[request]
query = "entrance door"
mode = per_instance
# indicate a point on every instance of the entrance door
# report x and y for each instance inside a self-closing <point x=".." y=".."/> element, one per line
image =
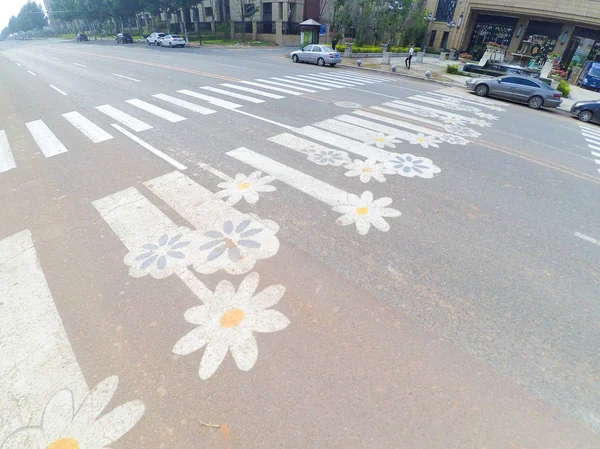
<point x="569" y="52"/>
<point x="445" y="40"/>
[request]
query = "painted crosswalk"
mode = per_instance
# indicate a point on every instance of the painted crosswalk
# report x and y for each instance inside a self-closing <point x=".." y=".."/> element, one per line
<point x="87" y="127"/>
<point x="592" y="138"/>
<point x="45" y="139"/>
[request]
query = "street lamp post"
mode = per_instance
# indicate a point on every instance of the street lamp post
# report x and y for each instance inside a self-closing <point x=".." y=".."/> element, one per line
<point x="450" y="25"/>
<point x="429" y="18"/>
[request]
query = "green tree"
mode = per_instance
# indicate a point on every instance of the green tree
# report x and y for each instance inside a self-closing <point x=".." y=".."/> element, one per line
<point x="31" y="17"/>
<point x="5" y="33"/>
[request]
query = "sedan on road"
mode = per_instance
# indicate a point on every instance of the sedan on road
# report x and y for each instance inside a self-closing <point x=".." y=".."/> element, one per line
<point x="154" y="38"/>
<point x="522" y="89"/>
<point x="317" y="54"/>
<point x="587" y="111"/>
<point x="171" y="40"/>
<point x="124" y="38"/>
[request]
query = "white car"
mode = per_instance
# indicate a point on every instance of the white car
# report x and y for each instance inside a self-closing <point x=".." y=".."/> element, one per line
<point x="171" y="40"/>
<point x="154" y="38"/>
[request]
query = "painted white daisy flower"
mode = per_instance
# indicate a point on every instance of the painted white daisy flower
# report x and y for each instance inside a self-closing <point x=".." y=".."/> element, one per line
<point x="455" y="120"/>
<point x="453" y="139"/>
<point x="461" y="130"/>
<point x="227" y="322"/>
<point x="235" y="244"/>
<point x="380" y="140"/>
<point x="64" y="426"/>
<point x="461" y="107"/>
<point x="367" y="170"/>
<point x="423" y="140"/>
<point x="425" y="113"/>
<point x="247" y="187"/>
<point x="163" y="254"/>
<point x="365" y="211"/>
<point x="410" y="165"/>
<point x="329" y="157"/>
<point x="487" y="116"/>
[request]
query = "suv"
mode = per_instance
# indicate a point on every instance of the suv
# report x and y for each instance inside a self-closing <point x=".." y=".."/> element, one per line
<point x="154" y="38"/>
<point x="81" y="37"/>
<point x="124" y="38"/>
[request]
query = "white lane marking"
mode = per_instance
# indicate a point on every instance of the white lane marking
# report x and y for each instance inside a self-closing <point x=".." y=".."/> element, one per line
<point x="159" y="112"/>
<point x="7" y="161"/>
<point x="470" y="97"/>
<point x="87" y="127"/>
<point x="299" y="83"/>
<point x="55" y="58"/>
<point x="593" y="147"/>
<point x="297" y="143"/>
<point x="37" y="358"/>
<point x="399" y="123"/>
<point x="375" y="93"/>
<point x="286" y="85"/>
<point x="253" y="91"/>
<point x="587" y="238"/>
<point x="233" y="94"/>
<point x="462" y="100"/>
<point x="125" y="119"/>
<point x="79" y="65"/>
<point x="229" y="65"/>
<point x="212" y="100"/>
<point x="313" y="187"/>
<point x="276" y="89"/>
<point x="214" y="171"/>
<point x="407" y="116"/>
<point x="147" y="146"/>
<point x="339" y="81"/>
<point x="597" y="161"/>
<point x="326" y="82"/>
<point x="31" y="72"/>
<point x="126" y="77"/>
<point x="364" y="125"/>
<point x="272" y="122"/>
<point x="47" y="142"/>
<point x="594" y="137"/>
<point x="62" y="92"/>
<point x="184" y="104"/>
<point x="314" y="83"/>
<point x="595" y="154"/>
<point x="18" y="64"/>
<point x="357" y="76"/>
<point x="344" y="143"/>
<point x="589" y="129"/>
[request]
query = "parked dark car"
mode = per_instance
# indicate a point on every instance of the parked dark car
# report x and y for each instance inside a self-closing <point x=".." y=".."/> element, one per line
<point x="124" y="38"/>
<point x="81" y="37"/>
<point x="591" y="80"/>
<point x="587" y="111"/>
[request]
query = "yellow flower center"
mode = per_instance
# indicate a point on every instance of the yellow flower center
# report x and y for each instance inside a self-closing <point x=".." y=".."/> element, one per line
<point x="367" y="169"/>
<point x="362" y="210"/>
<point x="243" y="186"/>
<point x="64" y="443"/>
<point x="232" y="318"/>
<point x="421" y="139"/>
<point x="379" y="139"/>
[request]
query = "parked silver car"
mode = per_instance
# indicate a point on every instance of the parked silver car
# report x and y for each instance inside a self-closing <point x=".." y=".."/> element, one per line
<point x="317" y="54"/>
<point x="522" y="89"/>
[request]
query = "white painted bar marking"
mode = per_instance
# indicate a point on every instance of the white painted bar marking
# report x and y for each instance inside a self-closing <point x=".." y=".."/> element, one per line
<point x="31" y="72"/>
<point x="7" y="161"/>
<point x="87" y="127"/>
<point x="79" y="65"/>
<point x="58" y="90"/>
<point x="212" y="100"/>
<point x="315" y="83"/>
<point x="233" y="94"/>
<point x="253" y="91"/>
<point x="125" y="119"/>
<point x="126" y="77"/>
<point x="185" y="104"/>
<point x="285" y="85"/>
<point x="276" y="89"/>
<point x="159" y="112"/>
<point x="587" y="238"/>
<point x="47" y="142"/>
<point x="299" y="83"/>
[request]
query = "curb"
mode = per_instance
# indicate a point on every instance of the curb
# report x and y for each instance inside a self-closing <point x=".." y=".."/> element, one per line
<point x="415" y="78"/>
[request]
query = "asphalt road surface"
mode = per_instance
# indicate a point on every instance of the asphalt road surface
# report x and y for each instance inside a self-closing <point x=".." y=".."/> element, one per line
<point x="219" y="248"/>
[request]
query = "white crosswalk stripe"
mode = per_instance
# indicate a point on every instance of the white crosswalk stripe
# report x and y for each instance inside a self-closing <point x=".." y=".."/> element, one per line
<point x="286" y="85"/>
<point x="324" y="82"/>
<point x="45" y="139"/>
<point x="398" y="123"/>
<point x="345" y="82"/>
<point x="316" y="82"/>
<point x="296" y="143"/>
<point x="299" y="83"/>
<point x="253" y="91"/>
<point x="125" y="119"/>
<point x="87" y="127"/>
<point x="276" y="89"/>
<point x="592" y="137"/>
<point x="7" y="161"/>
<point x="159" y="112"/>
<point x="233" y="94"/>
<point x="184" y="104"/>
<point x="347" y="78"/>
<point x="343" y="143"/>
<point x="212" y="100"/>
<point x="307" y="184"/>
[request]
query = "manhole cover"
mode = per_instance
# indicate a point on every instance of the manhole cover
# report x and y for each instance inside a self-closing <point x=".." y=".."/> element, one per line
<point x="347" y="104"/>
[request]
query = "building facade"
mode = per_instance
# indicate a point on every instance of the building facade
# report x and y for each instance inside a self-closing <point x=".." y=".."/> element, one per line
<point x="530" y="29"/>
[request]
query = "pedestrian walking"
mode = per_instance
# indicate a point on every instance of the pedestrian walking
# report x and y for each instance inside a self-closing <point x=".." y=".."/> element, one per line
<point x="410" y="55"/>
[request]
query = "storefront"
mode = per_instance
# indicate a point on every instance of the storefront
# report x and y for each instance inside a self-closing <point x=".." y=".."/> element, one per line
<point x="488" y="28"/>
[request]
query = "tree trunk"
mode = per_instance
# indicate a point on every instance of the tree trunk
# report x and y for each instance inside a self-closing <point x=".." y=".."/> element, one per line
<point x="182" y="15"/>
